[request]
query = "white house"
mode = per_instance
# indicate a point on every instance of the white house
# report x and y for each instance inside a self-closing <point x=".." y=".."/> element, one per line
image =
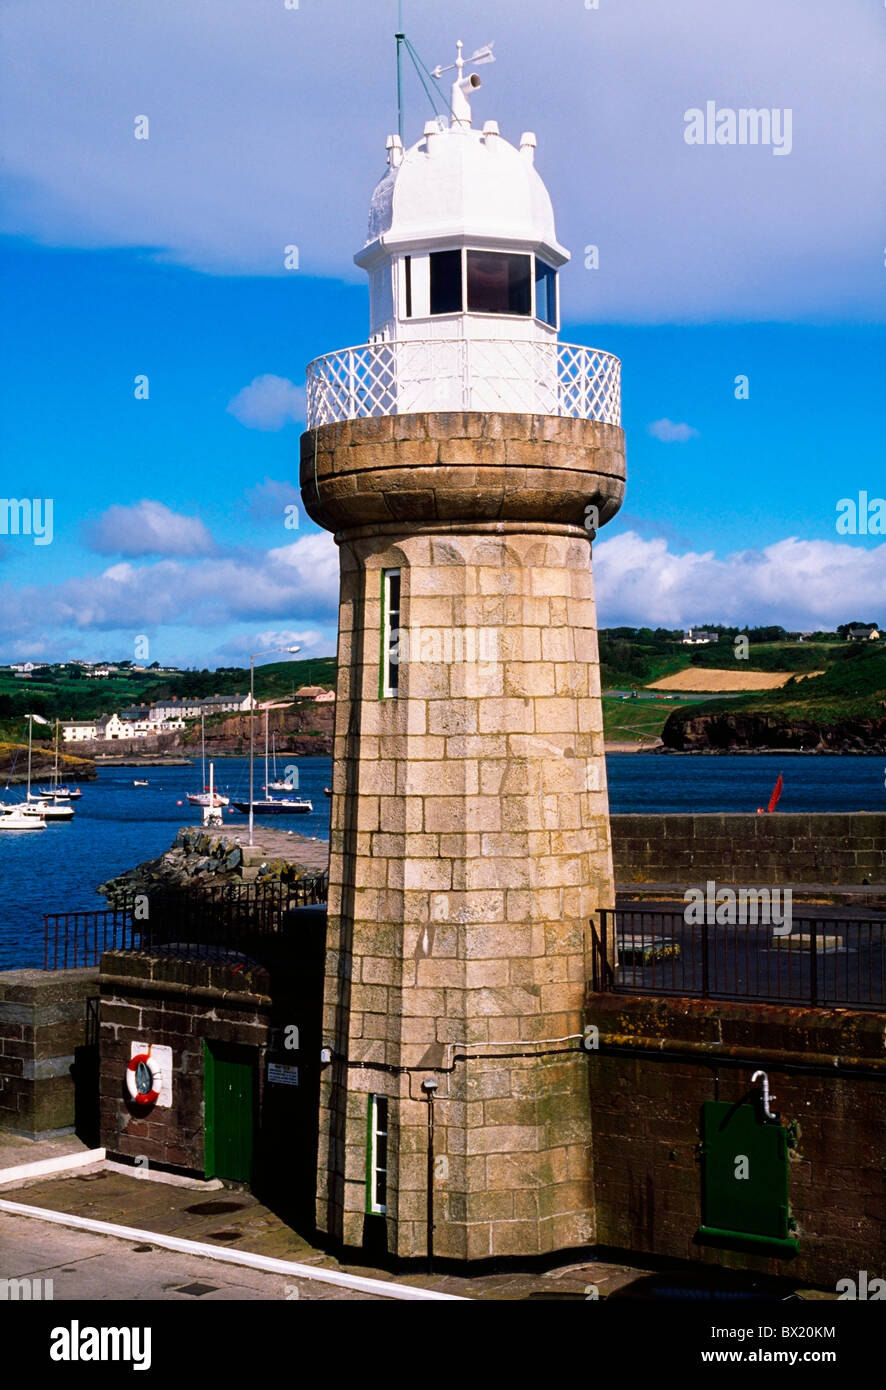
<point x="79" y="731"/>
<point x="697" y="637"/>
<point x="163" y="711"/>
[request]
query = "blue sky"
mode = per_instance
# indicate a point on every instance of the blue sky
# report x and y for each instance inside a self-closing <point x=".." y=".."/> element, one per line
<point x="164" y="258"/>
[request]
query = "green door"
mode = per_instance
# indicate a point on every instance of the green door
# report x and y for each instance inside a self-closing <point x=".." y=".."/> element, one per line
<point x="745" y="1169"/>
<point x="229" y="1095"/>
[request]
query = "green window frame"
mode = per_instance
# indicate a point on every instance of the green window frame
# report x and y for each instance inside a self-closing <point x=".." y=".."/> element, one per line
<point x="377" y="1155"/>
<point x="389" y="663"/>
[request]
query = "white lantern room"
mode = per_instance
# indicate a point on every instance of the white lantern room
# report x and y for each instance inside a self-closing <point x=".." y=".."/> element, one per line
<point x="461" y="239"/>
<point x="463" y="263"/>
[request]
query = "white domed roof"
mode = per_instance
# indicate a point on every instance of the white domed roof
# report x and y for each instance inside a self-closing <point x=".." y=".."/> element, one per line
<point x="460" y="184"/>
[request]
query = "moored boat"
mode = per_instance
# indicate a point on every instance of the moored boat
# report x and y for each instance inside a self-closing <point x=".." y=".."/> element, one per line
<point x="48" y="810"/>
<point x="276" y="806"/>
<point x="19" y="820"/>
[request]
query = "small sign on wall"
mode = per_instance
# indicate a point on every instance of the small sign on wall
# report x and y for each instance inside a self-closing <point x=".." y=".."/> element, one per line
<point x="162" y="1057"/>
<point x="279" y="1075"/>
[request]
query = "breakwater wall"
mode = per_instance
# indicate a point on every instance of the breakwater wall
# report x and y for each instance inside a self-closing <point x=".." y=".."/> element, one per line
<point x="840" y="849"/>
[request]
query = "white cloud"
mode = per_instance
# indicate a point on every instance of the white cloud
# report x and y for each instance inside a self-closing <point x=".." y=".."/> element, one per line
<point x="670" y="433"/>
<point x="800" y="584"/>
<point x="267" y="128"/>
<point x="268" y="403"/>
<point x="240" y="648"/>
<point x="293" y="580"/>
<point x="146" y="528"/>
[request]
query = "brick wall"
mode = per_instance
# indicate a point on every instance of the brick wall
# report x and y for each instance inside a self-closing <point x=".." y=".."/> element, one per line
<point x="646" y="1108"/>
<point x="174" y="1004"/>
<point x="790" y="848"/>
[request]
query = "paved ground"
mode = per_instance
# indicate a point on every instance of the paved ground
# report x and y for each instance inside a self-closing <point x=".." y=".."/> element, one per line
<point x="84" y="1266"/>
<point x="15" y="1149"/>
<point x="87" y="1267"/>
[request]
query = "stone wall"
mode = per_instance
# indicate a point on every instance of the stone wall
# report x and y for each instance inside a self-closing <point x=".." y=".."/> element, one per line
<point x="660" y="1059"/>
<point x="794" y="847"/>
<point x="43" y="1043"/>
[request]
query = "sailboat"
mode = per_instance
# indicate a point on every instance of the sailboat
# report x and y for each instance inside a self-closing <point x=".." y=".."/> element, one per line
<point x="209" y="796"/>
<point x="275" y="805"/>
<point x="16" y="816"/>
<point x="279" y="784"/>
<point x="45" y="806"/>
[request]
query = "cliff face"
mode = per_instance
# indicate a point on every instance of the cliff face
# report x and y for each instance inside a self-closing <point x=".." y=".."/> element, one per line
<point x="14" y="766"/>
<point x="686" y="732"/>
<point x="303" y="729"/>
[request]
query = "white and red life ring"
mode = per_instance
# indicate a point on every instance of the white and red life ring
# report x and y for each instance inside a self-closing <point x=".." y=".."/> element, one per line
<point x="136" y="1077"/>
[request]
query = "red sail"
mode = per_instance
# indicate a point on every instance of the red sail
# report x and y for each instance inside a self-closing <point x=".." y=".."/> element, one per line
<point x="776" y="793"/>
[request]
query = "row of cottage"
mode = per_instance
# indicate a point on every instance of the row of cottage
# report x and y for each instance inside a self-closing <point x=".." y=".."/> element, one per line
<point x="168" y="716"/>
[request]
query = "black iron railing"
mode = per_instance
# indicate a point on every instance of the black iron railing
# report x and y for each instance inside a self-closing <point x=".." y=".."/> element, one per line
<point x="213" y="922"/>
<point x="831" y="961"/>
<point x="75" y="939"/>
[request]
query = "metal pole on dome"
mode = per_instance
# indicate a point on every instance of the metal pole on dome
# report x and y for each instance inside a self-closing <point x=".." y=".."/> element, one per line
<point x="400" y="37"/>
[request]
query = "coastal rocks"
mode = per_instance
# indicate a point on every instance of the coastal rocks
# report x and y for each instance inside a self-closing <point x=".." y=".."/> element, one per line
<point x="198" y="860"/>
<point x="730" y="731"/>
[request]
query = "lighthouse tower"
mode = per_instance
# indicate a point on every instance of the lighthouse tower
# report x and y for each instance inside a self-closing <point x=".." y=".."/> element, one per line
<point x="463" y="456"/>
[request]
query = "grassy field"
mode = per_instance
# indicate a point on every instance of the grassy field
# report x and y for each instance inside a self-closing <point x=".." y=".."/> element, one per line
<point x="635" y="721"/>
<point x="852" y="687"/>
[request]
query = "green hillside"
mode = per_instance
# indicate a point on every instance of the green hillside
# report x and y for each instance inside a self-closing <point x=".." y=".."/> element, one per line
<point x="853" y="686"/>
<point x="58" y="694"/>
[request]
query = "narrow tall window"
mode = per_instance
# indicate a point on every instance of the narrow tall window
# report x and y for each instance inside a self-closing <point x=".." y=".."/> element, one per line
<point x="390" y="633"/>
<point x="545" y="293"/>
<point x="407" y="263"/>
<point x="446" y="295"/>
<point x="377" y="1155"/>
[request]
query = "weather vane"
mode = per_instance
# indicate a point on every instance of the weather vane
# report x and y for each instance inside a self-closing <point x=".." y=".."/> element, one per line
<point x="482" y="55"/>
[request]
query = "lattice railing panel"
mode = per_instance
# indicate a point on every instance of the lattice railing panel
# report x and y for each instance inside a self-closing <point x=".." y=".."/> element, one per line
<point x="509" y="375"/>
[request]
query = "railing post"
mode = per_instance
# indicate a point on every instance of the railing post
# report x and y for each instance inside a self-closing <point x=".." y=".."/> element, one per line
<point x="352" y="389"/>
<point x="705" y="959"/>
<point x="813" y="963"/>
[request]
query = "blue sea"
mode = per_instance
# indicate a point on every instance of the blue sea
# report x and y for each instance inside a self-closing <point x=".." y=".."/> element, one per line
<point x="117" y="825"/>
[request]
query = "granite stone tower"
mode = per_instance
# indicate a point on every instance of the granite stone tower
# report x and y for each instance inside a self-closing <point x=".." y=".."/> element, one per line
<point x="463" y="457"/>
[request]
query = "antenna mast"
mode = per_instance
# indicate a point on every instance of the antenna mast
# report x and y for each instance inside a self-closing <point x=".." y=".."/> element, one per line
<point x="400" y="36"/>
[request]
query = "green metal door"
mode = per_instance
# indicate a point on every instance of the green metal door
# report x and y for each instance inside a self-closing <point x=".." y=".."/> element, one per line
<point x="229" y="1095"/>
<point x="745" y="1177"/>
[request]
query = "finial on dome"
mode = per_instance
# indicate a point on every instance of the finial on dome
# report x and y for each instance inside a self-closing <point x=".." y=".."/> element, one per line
<point x="528" y="145"/>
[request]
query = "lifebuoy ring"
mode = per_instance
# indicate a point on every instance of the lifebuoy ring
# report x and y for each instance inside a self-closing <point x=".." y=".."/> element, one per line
<point x="142" y="1070"/>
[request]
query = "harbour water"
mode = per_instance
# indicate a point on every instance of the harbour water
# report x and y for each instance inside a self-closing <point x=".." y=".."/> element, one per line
<point x="117" y="825"/>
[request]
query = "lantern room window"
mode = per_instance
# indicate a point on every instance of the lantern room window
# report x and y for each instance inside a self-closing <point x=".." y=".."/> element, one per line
<point x="446" y="290"/>
<point x="545" y="293"/>
<point x="499" y="282"/>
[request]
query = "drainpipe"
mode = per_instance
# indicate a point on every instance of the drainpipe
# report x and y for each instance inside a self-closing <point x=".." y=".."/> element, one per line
<point x="429" y="1087"/>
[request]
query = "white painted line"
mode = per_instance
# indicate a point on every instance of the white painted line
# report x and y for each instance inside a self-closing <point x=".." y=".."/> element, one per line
<point x="381" y="1287"/>
<point x="47" y="1166"/>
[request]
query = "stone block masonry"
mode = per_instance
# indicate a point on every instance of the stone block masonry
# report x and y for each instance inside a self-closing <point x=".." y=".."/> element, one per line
<point x="43" y="1034"/>
<point x="469" y="836"/>
<point x="840" y="849"/>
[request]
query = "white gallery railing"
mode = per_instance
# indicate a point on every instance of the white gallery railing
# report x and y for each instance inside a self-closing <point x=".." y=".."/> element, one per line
<point x="485" y="374"/>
